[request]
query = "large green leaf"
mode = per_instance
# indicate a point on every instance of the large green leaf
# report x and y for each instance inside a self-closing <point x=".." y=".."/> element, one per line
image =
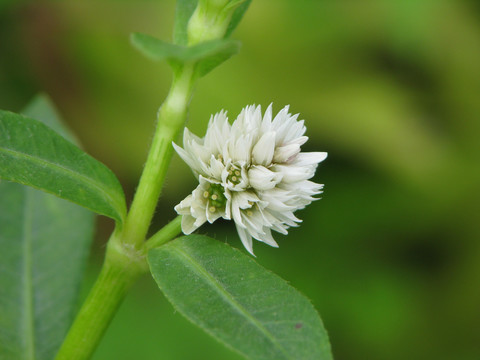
<point x="231" y="297"/>
<point x="44" y="243"/>
<point x="33" y="154"/>
<point x="207" y="55"/>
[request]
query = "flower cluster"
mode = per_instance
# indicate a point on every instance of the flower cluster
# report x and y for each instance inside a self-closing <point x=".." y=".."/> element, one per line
<point x="251" y="171"/>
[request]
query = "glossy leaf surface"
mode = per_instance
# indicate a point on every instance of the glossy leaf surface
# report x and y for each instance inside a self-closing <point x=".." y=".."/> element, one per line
<point x="44" y="244"/>
<point x="33" y="154"/>
<point x="230" y="296"/>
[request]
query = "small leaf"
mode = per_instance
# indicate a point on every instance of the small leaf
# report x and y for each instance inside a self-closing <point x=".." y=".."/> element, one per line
<point x="208" y="55"/>
<point x="183" y="12"/>
<point x="157" y="49"/>
<point x="237" y="15"/>
<point x="216" y="55"/>
<point x="44" y="243"/>
<point x="230" y="296"/>
<point x="33" y="154"/>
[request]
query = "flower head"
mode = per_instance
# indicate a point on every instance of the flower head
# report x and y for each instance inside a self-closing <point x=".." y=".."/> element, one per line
<point x="251" y="172"/>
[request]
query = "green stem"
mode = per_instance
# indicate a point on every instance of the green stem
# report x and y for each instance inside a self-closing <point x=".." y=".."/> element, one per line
<point x="119" y="272"/>
<point x="165" y="234"/>
<point x="171" y="118"/>
<point x="125" y="258"/>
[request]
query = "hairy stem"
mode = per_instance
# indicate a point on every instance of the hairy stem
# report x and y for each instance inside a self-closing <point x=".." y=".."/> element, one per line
<point x="119" y="272"/>
<point x="171" y="118"/>
<point x="125" y="256"/>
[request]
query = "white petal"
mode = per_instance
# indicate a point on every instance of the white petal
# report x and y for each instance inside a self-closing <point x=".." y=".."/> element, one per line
<point x="264" y="148"/>
<point x="242" y="149"/>
<point x="200" y="218"/>
<point x="246" y="239"/>
<point x="284" y="153"/>
<point x="309" y="158"/>
<point x="304" y="188"/>
<point x="215" y="169"/>
<point x="281" y="228"/>
<point x="184" y="207"/>
<point x="267" y="120"/>
<point x="217" y="132"/>
<point x="253" y="222"/>
<point x="188" y="224"/>
<point x="261" y="178"/>
<point x="296" y="130"/>
<point x="268" y="239"/>
<point x="293" y="174"/>
<point x="245" y="199"/>
<point x="192" y="162"/>
<point x="212" y="216"/>
<point x="228" y="205"/>
<point x="299" y="140"/>
<point x="241" y="201"/>
<point x="236" y="206"/>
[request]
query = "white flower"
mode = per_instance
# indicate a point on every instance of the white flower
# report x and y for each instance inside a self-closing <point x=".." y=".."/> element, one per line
<point x="251" y="171"/>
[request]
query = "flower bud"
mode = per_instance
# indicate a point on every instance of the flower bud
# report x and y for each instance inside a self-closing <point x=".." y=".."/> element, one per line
<point x="210" y="20"/>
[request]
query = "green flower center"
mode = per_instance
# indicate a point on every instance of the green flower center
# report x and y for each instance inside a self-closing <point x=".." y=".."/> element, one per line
<point x="216" y="198"/>
<point x="234" y="175"/>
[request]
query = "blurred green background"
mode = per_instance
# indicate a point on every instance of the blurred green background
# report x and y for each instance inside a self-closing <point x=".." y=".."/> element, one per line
<point x="390" y="89"/>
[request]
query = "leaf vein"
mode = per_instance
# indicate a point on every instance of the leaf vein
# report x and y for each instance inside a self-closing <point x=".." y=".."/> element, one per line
<point x="217" y="286"/>
<point x="69" y="172"/>
<point x="28" y="281"/>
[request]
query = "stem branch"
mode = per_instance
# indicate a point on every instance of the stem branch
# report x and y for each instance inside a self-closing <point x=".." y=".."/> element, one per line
<point x="165" y="234"/>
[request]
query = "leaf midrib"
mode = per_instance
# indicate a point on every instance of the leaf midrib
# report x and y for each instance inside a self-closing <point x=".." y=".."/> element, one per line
<point x="82" y="178"/>
<point x="27" y="280"/>
<point x="214" y="283"/>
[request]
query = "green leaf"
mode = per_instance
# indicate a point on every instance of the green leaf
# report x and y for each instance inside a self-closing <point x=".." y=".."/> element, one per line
<point x="33" y="154"/>
<point x="215" y="53"/>
<point x="230" y="296"/>
<point x="44" y="243"/>
<point x="237" y="15"/>
<point x="183" y="12"/>
<point x="157" y="49"/>
<point x="42" y="109"/>
<point x="207" y="55"/>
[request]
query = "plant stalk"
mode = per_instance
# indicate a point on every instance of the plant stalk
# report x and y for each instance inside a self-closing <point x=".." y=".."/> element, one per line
<point x="119" y="272"/>
<point x="125" y="259"/>
<point x="165" y="234"/>
<point x="171" y="119"/>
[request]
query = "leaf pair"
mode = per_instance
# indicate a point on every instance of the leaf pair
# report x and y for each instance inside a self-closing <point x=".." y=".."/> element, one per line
<point x="206" y="56"/>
